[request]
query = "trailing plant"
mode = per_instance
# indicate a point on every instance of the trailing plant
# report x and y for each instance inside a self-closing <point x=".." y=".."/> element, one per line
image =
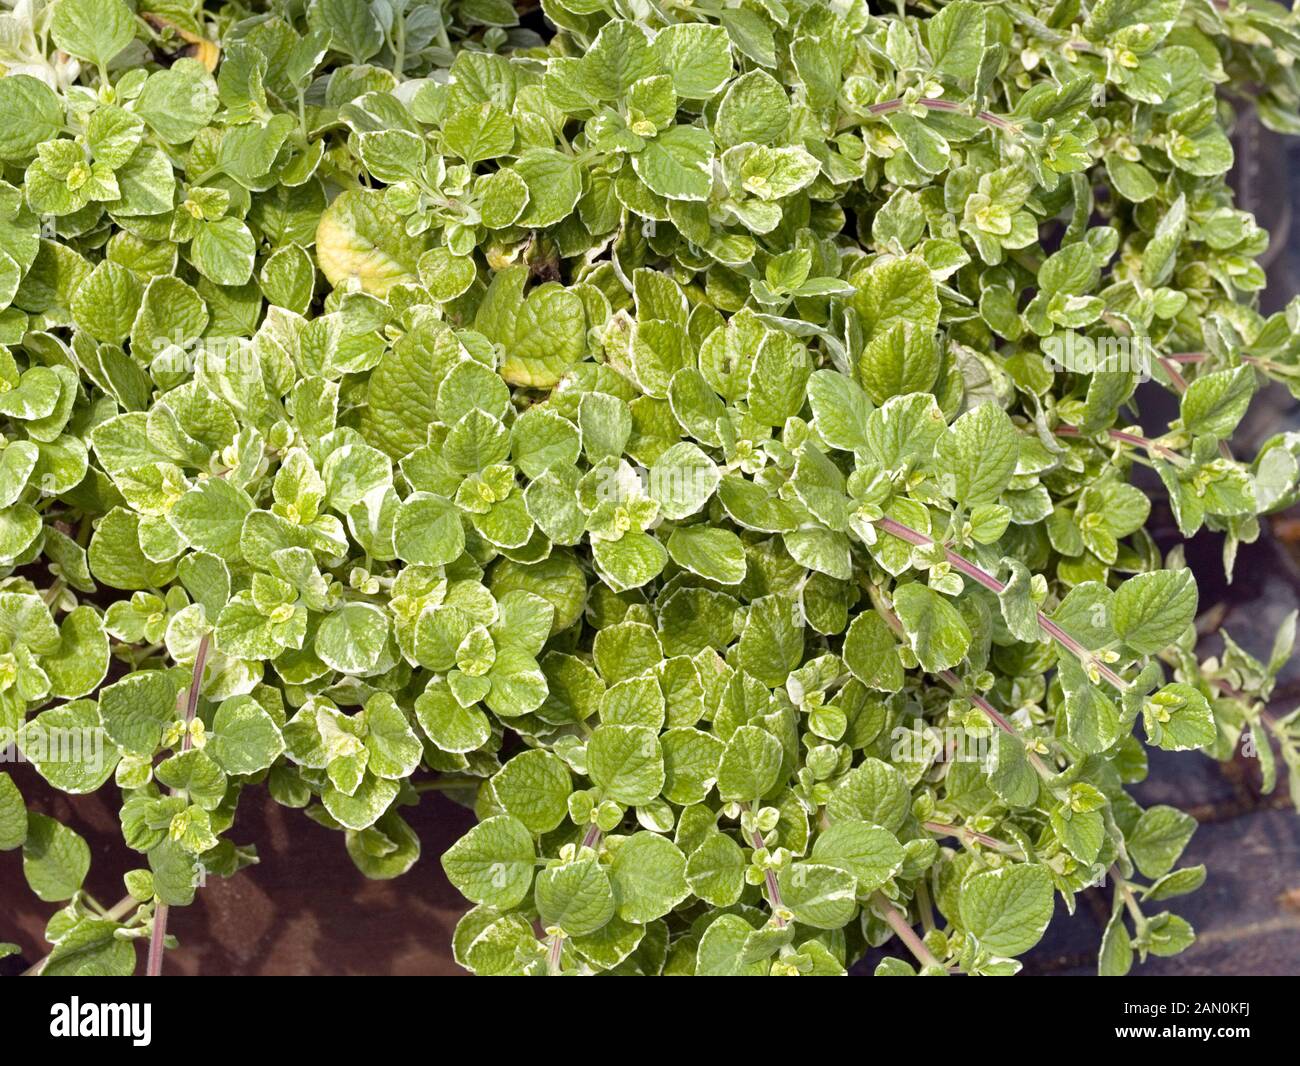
<point x="704" y="437"/>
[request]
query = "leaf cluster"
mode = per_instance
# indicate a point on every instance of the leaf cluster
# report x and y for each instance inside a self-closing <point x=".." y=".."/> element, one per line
<point x="702" y="437"/>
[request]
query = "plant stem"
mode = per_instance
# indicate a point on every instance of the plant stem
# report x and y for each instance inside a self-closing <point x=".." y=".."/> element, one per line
<point x="158" y="935"/>
<point x="987" y="117"/>
<point x="1204" y="357"/>
<point x="157" y="941"/>
<point x="1156" y="448"/>
<point x="898" y="922"/>
<point x="1130" y="900"/>
<point x="982" y="577"/>
<point x="116" y="913"/>
<point x="998" y="719"/>
<point x="955" y="683"/>
<point x="555" y="943"/>
<point x="1176" y="378"/>
<point x="769" y="878"/>
<point x="963" y="834"/>
<point x="923" y="905"/>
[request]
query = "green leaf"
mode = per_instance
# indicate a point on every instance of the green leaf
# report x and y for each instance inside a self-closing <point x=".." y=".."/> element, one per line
<point x="352" y="638"/>
<point x="179" y="101"/>
<point x="135" y="709"/>
<point x="1007" y="909"/>
<point x="648" y="874"/>
<point x="870" y="854"/>
<point x="690" y="764"/>
<point x="13" y="815"/>
<point x="631" y="561"/>
<point x="820" y="896"/>
<point x="934" y="627"/>
<point x="979" y="452"/>
<point x="1179" y="718"/>
<point x="873" y="792"/>
<point x="451" y="727"/>
<point x="678" y="164"/>
<point x="223" y="251"/>
<point x="554" y="183"/>
<point x="754" y="109"/>
<point x="351" y="25"/>
<point x="55" y="859"/>
<point x="1011" y="776"/>
<point x="66" y="745"/>
<point x="575" y="896"/>
<point x="428" y="530"/>
<point x="1214" y="404"/>
<point x="359" y="238"/>
<point x="871" y="653"/>
<point x="956" y="38"/>
<point x="715" y="870"/>
<point x="898" y="360"/>
<point x="771" y="644"/>
<point x="245" y="738"/>
<point x="750" y="764"/>
<point x="493" y="862"/>
<point x="91" y="949"/>
<point x="682" y="479"/>
<point x="1116" y="956"/>
<point x="30" y="114"/>
<point x="542" y="334"/>
<point x="697" y="56"/>
<point x="81" y="661"/>
<point x="721" y="951"/>
<point x="364" y="807"/>
<point x="626" y="763"/>
<point x="714" y="554"/>
<point x="211" y="516"/>
<point x="93" y="30"/>
<point x="1158" y="839"/>
<point x="840" y="409"/>
<point x="1153" y="610"/>
<point x="778" y="379"/>
<point x="534" y="787"/>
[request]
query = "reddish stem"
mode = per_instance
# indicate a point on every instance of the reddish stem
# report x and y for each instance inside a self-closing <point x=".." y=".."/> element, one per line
<point x="898" y="922"/>
<point x="769" y="878"/>
<point x="1164" y="451"/>
<point x="987" y="117"/>
<point x="982" y="577"/>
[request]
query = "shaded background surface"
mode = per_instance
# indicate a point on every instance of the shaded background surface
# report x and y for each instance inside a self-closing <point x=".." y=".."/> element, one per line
<point x="306" y="909"/>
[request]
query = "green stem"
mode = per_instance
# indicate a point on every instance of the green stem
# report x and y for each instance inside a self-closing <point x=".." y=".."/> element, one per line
<point x="158" y="934"/>
<point x="399" y="47"/>
<point x="924" y="906"/>
<point x="1130" y="901"/>
<point x="116" y="913"/>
